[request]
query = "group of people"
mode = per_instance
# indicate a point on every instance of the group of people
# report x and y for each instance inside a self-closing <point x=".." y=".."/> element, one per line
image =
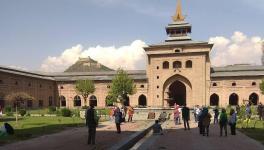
<point x="117" y="114"/>
<point x="203" y="117"/>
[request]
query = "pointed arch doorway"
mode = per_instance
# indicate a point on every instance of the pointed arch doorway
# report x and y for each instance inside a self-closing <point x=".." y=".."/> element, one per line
<point x="177" y="93"/>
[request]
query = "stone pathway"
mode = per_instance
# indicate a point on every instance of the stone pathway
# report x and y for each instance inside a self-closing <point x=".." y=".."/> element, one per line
<point x="76" y="138"/>
<point x="178" y="138"/>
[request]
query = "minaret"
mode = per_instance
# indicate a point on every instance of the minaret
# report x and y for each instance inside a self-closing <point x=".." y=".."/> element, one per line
<point x="179" y="29"/>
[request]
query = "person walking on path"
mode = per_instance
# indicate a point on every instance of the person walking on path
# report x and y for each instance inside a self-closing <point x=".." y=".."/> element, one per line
<point x="91" y="122"/>
<point x="223" y="122"/>
<point x="260" y="111"/>
<point x="196" y="112"/>
<point x="186" y="117"/>
<point x="232" y="121"/>
<point x="206" y="121"/>
<point x="130" y="113"/>
<point x="216" y="114"/>
<point x="200" y="120"/>
<point x="177" y="115"/>
<point x="118" y="119"/>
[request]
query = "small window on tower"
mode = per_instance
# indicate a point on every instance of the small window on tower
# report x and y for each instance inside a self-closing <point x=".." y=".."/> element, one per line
<point x="142" y="86"/>
<point x="254" y="83"/>
<point x="177" y="51"/>
<point x="61" y="87"/>
<point x="214" y="84"/>
<point x="234" y="84"/>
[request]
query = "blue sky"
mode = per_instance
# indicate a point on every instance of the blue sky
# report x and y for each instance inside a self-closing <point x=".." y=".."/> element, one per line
<point x="32" y="30"/>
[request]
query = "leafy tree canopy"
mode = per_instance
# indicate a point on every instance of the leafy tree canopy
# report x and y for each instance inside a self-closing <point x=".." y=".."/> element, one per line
<point x="19" y="96"/>
<point x="122" y="85"/>
<point x="84" y="88"/>
<point x="261" y="86"/>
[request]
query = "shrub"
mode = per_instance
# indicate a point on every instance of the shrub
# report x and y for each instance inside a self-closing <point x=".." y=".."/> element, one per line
<point x="52" y="109"/>
<point x="76" y="112"/>
<point x="65" y="112"/>
<point x="9" y="114"/>
<point x="22" y="112"/>
<point x="8" y="109"/>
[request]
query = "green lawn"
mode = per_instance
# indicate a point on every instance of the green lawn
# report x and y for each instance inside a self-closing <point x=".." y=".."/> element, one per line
<point x="255" y="129"/>
<point x="30" y="127"/>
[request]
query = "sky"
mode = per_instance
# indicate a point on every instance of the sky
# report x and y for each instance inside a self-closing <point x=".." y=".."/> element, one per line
<point x="50" y="35"/>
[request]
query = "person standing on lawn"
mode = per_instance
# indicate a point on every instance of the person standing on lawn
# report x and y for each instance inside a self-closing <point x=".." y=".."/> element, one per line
<point x="232" y="121"/>
<point x="91" y="122"/>
<point x="186" y="116"/>
<point x="223" y="122"/>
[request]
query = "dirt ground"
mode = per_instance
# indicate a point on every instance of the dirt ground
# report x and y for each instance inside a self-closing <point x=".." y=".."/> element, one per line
<point x="76" y="138"/>
<point x="178" y="138"/>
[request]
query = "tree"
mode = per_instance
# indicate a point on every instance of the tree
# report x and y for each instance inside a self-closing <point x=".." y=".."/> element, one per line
<point x="85" y="88"/>
<point x="122" y="85"/>
<point x="18" y="98"/>
<point x="261" y="86"/>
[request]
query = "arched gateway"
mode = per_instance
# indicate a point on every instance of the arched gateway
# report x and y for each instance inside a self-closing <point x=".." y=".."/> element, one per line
<point x="177" y="89"/>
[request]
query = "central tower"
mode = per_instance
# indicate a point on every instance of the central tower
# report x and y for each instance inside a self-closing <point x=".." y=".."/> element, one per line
<point x="178" y="69"/>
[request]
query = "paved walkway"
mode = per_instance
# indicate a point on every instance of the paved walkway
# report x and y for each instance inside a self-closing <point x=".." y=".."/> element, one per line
<point x="177" y="138"/>
<point x="76" y="138"/>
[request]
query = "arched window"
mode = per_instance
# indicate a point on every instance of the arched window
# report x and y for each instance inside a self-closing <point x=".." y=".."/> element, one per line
<point x="50" y="101"/>
<point x="233" y="99"/>
<point x="214" y="100"/>
<point x="214" y="84"/>
<point x="77" y="101"/>
<point x="253" y="98"/>
<point x="234" y="84"/>
<point x="177" y="64"/>
<point x="93" y="101"/>
<point x="254" y="84"/>
<point x="188" y="64"/>
<point x="142" y="101"/>
<point x="62" y="101"/>
<point x="108" y="100"/>
<point x="166" y="65"/>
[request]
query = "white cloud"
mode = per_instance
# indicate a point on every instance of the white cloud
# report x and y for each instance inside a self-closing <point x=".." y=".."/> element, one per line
<point x="128" y="57"/>
<point x="239" y="49"/>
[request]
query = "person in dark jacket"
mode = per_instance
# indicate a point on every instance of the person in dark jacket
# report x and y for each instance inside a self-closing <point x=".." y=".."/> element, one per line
<point x="216" y="114"/>
<point x="223" y="122"/>
<point x="118" y="119"/>
<point x="91" y="122"/>
<point x="186" y="117"/>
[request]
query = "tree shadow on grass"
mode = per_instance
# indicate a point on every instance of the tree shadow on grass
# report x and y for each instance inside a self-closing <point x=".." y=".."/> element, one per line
<point x="27" y="133"/>
<point x="7" y="119"/>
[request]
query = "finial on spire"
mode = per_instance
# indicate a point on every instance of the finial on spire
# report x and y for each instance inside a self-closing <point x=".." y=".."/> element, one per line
<point x="178" y="16"/>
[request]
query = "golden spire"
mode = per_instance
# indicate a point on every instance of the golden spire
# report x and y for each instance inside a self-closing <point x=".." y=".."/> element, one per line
<point x="178" y="16"/>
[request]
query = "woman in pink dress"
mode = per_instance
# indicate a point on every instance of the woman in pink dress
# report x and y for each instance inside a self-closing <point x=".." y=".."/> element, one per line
<point x="177" y="115"/>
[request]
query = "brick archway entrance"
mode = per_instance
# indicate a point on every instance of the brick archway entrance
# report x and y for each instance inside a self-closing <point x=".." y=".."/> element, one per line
<point x="177" y="94"/>
<point x="177" y="89"/>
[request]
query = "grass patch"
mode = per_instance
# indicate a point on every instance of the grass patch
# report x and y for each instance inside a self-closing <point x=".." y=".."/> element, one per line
<point x="30" y="127"/>
<point x="254" y="129"/>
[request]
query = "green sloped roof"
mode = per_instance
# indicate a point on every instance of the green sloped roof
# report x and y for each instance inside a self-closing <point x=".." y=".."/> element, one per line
<point x="87" y="65"/>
